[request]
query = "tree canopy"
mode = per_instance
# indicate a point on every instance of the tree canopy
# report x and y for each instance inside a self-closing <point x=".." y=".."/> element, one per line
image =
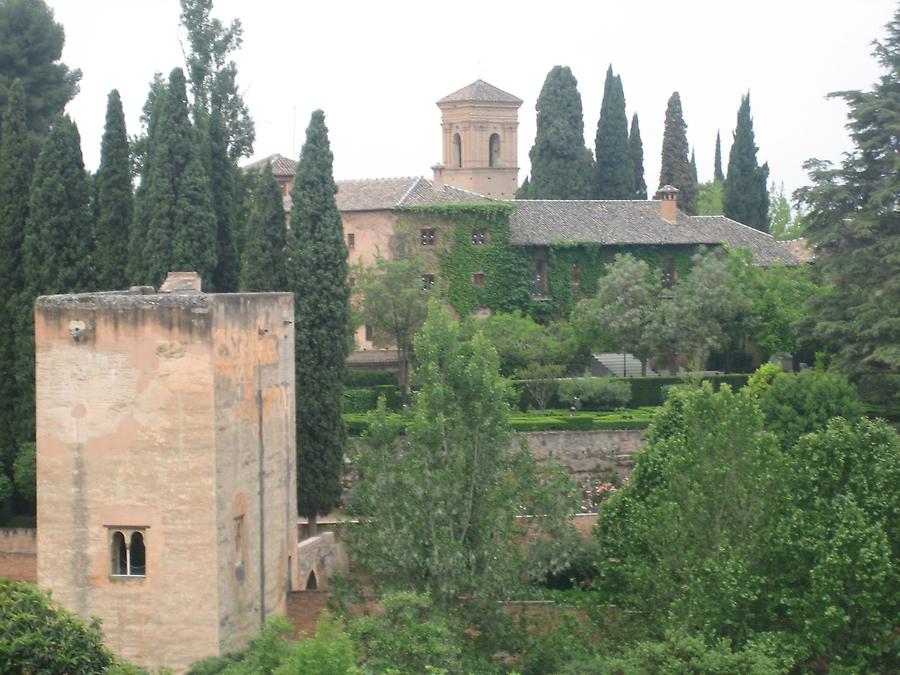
<point x="636" y="147"/>
<point x="613" y="169"/>
<point x="676" y="168"/>
<point x="264" y="262"/>
<point x="746" y="197"/>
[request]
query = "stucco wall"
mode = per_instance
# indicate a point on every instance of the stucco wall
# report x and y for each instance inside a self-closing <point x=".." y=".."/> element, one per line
<point x="18" y="553"/>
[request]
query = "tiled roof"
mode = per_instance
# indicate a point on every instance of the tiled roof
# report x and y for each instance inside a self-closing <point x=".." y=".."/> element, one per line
<point x="480" y="92"/>
<point x="378" y="194"/>
<point x="543" y="222"/>
<point x="281" y="166"/>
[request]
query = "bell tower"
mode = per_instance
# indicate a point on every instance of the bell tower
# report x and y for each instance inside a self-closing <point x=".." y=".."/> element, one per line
<point x="479" y="125"/>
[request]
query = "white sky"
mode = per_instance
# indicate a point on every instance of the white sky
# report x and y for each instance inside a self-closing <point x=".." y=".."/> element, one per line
<point x="377" y="67"/>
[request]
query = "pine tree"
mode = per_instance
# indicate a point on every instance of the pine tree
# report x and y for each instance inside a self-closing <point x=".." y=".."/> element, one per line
<point x="560" y="163"/>
<point x="175" y="212"/>
<point x="15" y="179"/>
<point x="718" y="176"/>
<point x="676" y="169"/>
<point x="746" y="197"/>
<point x="613" y="170"/>
<point x="318" y="278"/>
<point x="56" y="248"/>
<point x="222" y="178"/>
<point x="263" y="264"/>
<point x="637" y="159"/>
<point x="115" y="202"/>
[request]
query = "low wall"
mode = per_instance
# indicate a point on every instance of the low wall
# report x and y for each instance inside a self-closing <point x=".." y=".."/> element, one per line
<point x="18" y="553"/>
<point x="318" y="558"/>
<point x="587" y="455"/>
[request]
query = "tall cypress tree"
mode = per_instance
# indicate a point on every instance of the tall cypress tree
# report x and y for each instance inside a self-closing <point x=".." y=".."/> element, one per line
<point x="718" y="176"/>
<point x="115" y="203"/>
<point x="222" y="178"/>
<point x="636" y="148"/>
<point x="263" y="264"/>
<point x="56" y="248"/>
<point x="318" y="277"/>
<point x="613" y="170"/>
<point x="694" y="168"/>
<point x="560" y="162"/>
<point x="15" y="179"/>
<point x="746" y="198"/>
<point x="676" y="168"/>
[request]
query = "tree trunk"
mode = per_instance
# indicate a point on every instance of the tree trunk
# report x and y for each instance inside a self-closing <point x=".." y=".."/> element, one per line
<point x="312" y="526"/>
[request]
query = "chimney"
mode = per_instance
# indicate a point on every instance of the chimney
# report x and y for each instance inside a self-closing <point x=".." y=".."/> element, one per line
<point x="668" y="205"/>
<point x="181" y="282"/>
<point x="438" y="183"/>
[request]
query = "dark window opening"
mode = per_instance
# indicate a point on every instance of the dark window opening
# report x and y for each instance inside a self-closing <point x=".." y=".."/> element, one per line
<point x="669" y="273"/>
<point x="137" y="562"/>
<point x="576" y="274"/>
<point x="351" y="240"/>
<point x="119" y="555"/>
<point x="427" y="235"/>
<point x="478" y="279"/>
<point x="427" y="281"/>
<point x="311" y="583"/>
<point x="128" y="555"/>
<point x="370" y="333"/>
<point x="494" y="150"/>
<point x="457" y="151"/>
<point x="479" y="237"/>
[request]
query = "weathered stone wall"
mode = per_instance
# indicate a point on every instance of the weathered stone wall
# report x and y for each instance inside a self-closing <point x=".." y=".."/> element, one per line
<point x="588" y="455"/>
<point x="18" y="553"/>
<point x="322" y="556"/>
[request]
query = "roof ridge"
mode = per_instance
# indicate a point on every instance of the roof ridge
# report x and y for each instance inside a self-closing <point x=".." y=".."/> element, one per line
<point x="477" y="194"/>
<point x="382" y="179"/>
<point x="409" y="190"/>
<point x="592" y="201"/>
<point x="730" y="220"/>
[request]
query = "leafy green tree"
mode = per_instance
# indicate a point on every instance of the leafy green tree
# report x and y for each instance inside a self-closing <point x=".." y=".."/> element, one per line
<point x="779" y="298"/>
<point x="746" y="199"/>
<point x="637" y="159"/>
<point x="40" y="637"/>
<point x="393" y="301"/>
<point x="613" y="169"/>
<point x="780" y="225"/>
<point x="25" y="472"/>
<point x="213" y="75"/>
<point x="31" y="44"/>
<point x="439" y="506"/>
<point x="560" y="163"/>
<point x="56" y="248"/>
<point x="15" y="181"/>
<point x="518" y="339"/>
<point x="676" y="168"/>
<point x="709" y="201"/>
<point x="263" y="264"/>
<point x="718" y="176"/>
<point x="627" y="297"/>
<point x="851" y="218"/>
<point x="317" y="275"/>
<point x="115" y="201"/>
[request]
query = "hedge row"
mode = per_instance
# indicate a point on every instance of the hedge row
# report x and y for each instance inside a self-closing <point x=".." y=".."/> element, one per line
<point x="364" y="400"/>
<point x="369" y="378"/>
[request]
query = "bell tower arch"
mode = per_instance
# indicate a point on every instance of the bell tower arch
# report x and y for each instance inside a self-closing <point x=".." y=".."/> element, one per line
<point x="480" y="145"/>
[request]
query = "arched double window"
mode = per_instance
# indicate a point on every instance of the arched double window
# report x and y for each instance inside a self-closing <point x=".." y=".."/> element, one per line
<point x="128" y="553"/>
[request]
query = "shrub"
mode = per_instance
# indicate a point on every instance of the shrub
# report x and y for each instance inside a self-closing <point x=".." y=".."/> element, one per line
<point x="359" y="400"/>
<point x="369" y="378"/>
<point x="592" y="393"/>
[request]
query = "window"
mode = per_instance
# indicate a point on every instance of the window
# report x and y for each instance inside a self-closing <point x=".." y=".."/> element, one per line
<point x="427" y="281"/>
<point x="537" y="284"/>
<point x="457" y="151"/>
<point x="576" y="275"/>
<point x="669" y="274"/>
<point x="351" y="240"/>
<point x="479" y="237"/>
<point x="478" y="279"/>
<point x="370" y="333"/>
<point x="494" y="150"/>
<point x="427" y="234"/>
<point x="128" y="554"/>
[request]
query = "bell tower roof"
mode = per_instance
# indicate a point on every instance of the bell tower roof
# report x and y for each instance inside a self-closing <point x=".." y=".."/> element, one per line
<point x="480" y="92"/>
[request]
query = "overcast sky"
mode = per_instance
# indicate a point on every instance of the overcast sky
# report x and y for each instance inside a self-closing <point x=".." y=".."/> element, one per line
<point x="377" y="67"/>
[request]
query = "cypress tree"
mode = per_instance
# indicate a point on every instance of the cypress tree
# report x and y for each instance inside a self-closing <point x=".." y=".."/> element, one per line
<point x="15" y="178"/>
<point x="718" y="176"/>
<point x="613" y="171"/>
<point x="524" y="191"/>
<point x="318" y="277"/>
<point x="560" y="162"/>
<point x="56" y="248"/>
<point x="222" y="179"/>
<point x="114" y="199"/>
<point x="746" y="198"/>
<point x="636" y="148"/>
<point x="694" y="168"/>
<point x="676" y="169"/>
<point x="263" y="265"/>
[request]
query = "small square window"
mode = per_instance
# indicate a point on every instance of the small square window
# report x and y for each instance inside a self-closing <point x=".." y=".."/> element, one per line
<point x="427" y="281"/>
<point x="478" y="279"/>
<point x="479" y="237"/>
<point x="370" y="333"/>
<point x="428" y="236"/>
<point x="351" y="240"/>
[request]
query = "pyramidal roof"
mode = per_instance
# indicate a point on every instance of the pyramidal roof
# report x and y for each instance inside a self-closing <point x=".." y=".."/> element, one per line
<point x="481" y="92"/>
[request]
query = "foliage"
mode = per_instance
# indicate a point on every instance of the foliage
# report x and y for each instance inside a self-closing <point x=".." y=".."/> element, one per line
<point x="797" y="404"/>
<point x="851" y="219"/>
<point x="613" y="169"/>
<point x="675" y="169"/>
<point x="369" y="378"/>
<point x="213" y="76"/>
<point x="318" y="278"/>
<point x="709" y="202"/>
<point x="25" y="472"/>
<point x="115" y="202"/>
<point x="594" y="393"/>
<point x="779" y="296"/>
<point x="781" y="225"/>
<point x="636" y="148"/>
<point x="541" y="382"/>
<point x="263" y="263"/>
<point x="440" y="506"/>
<point x="393" y="300"/>
<point x="409" y="636"/>
<point x="560" y="163"/>
<point x="746" y="199"/>
<point x="39" y="637"/>
<point x="222" y="173"/>
<point x="31" y="44"/>
<point x="519" y="340"/>
<point x="718" y="176"/>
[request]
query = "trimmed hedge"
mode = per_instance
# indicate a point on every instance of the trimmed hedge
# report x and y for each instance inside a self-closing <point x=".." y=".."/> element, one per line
<point x="358" y="378"/>
<point x="362" y="400"/>
<point x="649" y="391"/>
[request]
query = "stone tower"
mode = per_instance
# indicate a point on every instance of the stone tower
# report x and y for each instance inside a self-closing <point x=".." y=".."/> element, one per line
<point x="166" y="464"/>
<point x="480" y="126"/>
